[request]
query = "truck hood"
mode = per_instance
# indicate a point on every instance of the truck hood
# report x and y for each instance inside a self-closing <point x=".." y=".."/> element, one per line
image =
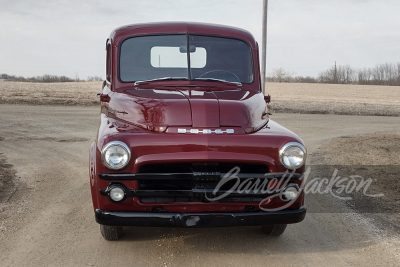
<point x="155" y="109"/>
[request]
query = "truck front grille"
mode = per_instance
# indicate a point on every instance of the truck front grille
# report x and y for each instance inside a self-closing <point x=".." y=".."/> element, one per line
<point x="194" y="176"/>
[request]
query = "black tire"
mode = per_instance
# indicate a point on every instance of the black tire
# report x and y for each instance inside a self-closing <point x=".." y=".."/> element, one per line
<point x="274" y="230"/>
<point x="111" y="233"/>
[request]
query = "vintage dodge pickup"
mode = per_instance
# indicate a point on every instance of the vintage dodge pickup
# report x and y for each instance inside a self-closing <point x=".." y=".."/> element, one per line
<point x="185" y="138"/>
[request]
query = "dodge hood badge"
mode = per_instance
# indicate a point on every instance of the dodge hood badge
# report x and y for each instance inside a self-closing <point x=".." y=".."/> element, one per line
<point x="206" y="131"/>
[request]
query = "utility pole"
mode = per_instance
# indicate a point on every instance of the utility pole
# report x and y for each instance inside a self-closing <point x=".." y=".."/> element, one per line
<point x="335" y="75"/>
<point x="264" y="46"/>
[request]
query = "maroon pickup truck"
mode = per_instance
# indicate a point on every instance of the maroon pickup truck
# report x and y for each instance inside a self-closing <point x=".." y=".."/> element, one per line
<point x="185" y="139"/>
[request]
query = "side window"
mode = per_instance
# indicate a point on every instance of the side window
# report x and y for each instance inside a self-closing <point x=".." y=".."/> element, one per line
<point x="108" y="62"/>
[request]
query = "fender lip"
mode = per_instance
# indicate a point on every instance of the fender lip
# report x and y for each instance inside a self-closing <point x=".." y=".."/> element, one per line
<point x="207" y="219"/>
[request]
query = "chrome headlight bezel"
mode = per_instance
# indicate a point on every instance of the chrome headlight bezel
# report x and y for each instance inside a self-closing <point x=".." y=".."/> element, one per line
<point x="285" y="148"/>
<point x="109" y="145"/>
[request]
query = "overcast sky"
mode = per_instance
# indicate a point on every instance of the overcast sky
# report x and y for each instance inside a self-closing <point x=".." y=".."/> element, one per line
<point x="304" y="36"/>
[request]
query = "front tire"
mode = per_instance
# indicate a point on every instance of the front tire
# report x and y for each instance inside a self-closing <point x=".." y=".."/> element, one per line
<point x="111" y="233"/>
<point x="274" y="230"/>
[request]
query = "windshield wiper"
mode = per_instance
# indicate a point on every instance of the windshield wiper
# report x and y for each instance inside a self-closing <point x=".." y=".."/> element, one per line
<point x="184" y="78"/>
<point x="218" y="80"/>
<point x="161" y="79"/>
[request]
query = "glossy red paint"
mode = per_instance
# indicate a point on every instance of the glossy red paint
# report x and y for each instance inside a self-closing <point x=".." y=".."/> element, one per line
<point x="147" y="118"/>
<point x="157" y="109"/>
<point x="104" y="98"/>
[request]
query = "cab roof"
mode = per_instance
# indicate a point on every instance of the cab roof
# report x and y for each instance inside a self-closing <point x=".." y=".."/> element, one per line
<point x="121" y="33"/>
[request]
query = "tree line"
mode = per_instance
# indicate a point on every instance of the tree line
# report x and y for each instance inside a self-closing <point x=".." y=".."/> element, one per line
<point x="381" y="74"/>
<point x="47" y="78"/>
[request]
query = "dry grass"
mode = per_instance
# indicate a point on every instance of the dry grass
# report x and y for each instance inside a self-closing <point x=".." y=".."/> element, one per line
<point x="381" y="148"/>
<point x="69" y="94"/>
<point x="334" y="99"/>
<point x="286" y="97"/>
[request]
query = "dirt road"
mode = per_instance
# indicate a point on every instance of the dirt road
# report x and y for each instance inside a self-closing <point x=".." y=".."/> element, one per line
<point x="46" y="218"/>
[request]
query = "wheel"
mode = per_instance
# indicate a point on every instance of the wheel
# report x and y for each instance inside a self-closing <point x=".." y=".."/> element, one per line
<point x="111" y="233"/>
<point x="274" y="230"/>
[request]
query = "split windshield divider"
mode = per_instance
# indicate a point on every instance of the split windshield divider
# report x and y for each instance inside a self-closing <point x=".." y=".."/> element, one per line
<point x="188" y="56"/>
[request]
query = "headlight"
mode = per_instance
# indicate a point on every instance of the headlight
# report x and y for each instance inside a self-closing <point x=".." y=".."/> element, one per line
<point x="115" y="155"/>
<point x="292" y="155"/>
<point x="117" y="193"/>
<point x="291" y="192"/>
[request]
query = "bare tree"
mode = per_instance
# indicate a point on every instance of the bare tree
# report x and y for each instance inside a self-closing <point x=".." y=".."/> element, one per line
<point x="47" y="78"/>
<point x="307" y="79"/>
<point x="280" y="75"/>
<point x="94" y="78"/>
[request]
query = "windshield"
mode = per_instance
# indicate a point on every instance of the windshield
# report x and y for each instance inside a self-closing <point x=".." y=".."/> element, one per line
<point x="194" y="57"/>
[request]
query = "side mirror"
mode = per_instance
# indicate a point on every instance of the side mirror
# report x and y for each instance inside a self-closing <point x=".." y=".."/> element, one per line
<point x="267" y="98"/>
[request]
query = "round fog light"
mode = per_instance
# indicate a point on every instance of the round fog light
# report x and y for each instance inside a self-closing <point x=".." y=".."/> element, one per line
<point x="290" y="193"/>
<point x="117" y="194"/>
